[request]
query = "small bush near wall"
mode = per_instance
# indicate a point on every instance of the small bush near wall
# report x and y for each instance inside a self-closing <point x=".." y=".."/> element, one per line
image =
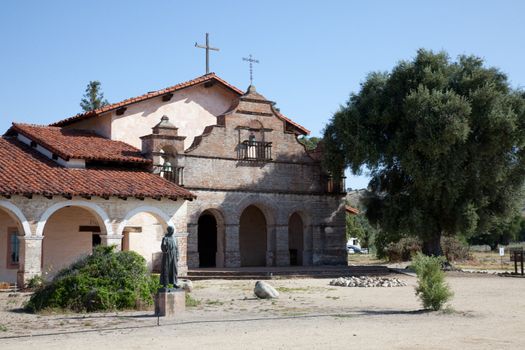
<point x="105" y="280"/>
<point x="431" y="288"/>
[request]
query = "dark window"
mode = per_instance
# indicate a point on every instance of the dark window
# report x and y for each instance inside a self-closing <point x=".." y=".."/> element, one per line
<point x="13" y="248"/>
<point x="96" y="240"/>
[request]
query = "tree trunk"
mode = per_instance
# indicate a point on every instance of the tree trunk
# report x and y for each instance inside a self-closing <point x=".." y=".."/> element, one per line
<point x="432" y="245"/>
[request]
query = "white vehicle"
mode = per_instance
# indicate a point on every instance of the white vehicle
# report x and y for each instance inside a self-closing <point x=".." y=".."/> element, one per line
<point x="353" y="246"/>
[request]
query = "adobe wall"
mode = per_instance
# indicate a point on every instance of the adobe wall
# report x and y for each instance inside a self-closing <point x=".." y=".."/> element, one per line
<point x="223" y="141"/>
<point x="6" y="223"/>
<point x="191" y="110"/>
<point x="63" y="243"/>
<point x="223" y="174"/>
<point x="101" y="125"/>
<point x="146" y="243"/>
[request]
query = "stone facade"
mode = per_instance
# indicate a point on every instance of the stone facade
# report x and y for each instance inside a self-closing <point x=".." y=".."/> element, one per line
<point x="227" y="179"/>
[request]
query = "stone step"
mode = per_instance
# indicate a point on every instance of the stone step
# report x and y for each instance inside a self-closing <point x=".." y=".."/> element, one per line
<point x="274" y="273"/>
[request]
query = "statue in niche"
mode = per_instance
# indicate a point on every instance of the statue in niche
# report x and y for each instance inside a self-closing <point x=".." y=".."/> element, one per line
<point x="170" y="257"/>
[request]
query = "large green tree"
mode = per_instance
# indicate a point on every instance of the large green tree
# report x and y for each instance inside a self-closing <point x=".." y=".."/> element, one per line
<point x="444" y="142"/>
<point x="93" y="97"/>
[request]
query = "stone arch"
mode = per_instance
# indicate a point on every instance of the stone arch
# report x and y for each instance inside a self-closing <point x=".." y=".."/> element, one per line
<point x="253" y="237"/>
<point x="265" y="206"/>
<point x="159" y="214"/>
<point x="218" y="235"/>
<point x="305" y="254"/>
<point x="64" y="242"/>
<point x="13" y="211"/>
<point x="147" y="225"/>
<point x="94" y="209"/>
<point x="296" y="239"/>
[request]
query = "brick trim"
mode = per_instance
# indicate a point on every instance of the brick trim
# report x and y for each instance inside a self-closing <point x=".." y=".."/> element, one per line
<point x="209" y="189"/>
<point x="313" y="163"/>
<point x="262" y="114"/>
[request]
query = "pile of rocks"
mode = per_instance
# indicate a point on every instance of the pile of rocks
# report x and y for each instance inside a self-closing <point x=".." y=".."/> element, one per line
<point x="367" y="282"/>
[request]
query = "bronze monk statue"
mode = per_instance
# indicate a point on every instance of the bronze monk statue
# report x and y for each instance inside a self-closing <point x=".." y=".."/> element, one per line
<point x="170" y="256"/>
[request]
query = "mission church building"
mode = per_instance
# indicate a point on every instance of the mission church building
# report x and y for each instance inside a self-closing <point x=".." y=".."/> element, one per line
<point x="222" y="166"/>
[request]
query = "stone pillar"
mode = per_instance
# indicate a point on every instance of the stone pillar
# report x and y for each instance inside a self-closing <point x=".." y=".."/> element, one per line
<point x="282" y="247"/>
<point x="318" y="236"/>
<point x="307" y="245"/>
<point x="115" y="240"/>
<point x="270" y="245"/>
<point x="219" y="256"/>
<point x="232" y="254"/>
<point x="170" y="304"/>
<point x="193" y="245"/>
<point x="30" y="259"/>
<point x="182" y="243"/>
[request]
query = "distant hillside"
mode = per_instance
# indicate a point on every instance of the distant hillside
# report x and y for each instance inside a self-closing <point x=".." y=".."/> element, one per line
<point x="353" y="197"/>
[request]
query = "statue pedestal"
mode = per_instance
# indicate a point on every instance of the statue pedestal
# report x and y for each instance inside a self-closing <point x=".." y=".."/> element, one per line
<point x="170" y="303"/>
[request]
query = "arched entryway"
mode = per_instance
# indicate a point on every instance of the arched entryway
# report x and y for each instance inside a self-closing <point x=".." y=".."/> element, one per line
<point x="12" y="227"/>
<point x="253" y="237"/>
<point x="142" y="230"/>
<point x="70" y="232"/>
<point x="296" y="239"/>
<point x="207" y="238"/>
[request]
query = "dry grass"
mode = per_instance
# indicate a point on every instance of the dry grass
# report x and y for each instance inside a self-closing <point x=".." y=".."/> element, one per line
<point x="479" y="261"/>
<point x="365" y="259"/>
<point x="487" y="261"/>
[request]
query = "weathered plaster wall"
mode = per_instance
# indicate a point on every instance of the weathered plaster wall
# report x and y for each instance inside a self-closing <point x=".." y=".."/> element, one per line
<point x="63" y="244"/>
<point x="146" y="243"/>
<point x="6" y="222"/>
<point x="101" y="125"/>
<point x="190" y="110"/>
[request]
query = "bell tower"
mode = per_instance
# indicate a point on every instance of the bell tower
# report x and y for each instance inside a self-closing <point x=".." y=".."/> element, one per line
<point x="165" y="147"/>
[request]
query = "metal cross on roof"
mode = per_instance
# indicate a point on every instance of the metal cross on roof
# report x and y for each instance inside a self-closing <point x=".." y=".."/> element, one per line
<point x="208" y="48"/>
<point x="251" y="60"/>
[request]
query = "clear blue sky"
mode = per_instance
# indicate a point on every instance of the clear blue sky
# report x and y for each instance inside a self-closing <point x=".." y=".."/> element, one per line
<point x="313" y="54"/>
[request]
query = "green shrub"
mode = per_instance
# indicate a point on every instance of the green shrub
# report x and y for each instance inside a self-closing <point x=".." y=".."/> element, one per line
<point x="403" y="250"/>
<point x="35" y="282"/>
<point x="431" y="289"/>
<point x="105" y="280"/>
<point x="454" y="249"/>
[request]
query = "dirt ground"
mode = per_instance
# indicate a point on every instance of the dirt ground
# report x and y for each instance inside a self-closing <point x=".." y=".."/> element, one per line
<point x="487" y="312"/>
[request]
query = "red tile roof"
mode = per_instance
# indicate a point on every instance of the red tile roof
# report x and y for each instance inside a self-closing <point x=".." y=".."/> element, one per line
<point x="200" y="80"/>
<point x="24" y="171"/>
<point x="79" y="144"/>
<point x="351" y="210"/>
